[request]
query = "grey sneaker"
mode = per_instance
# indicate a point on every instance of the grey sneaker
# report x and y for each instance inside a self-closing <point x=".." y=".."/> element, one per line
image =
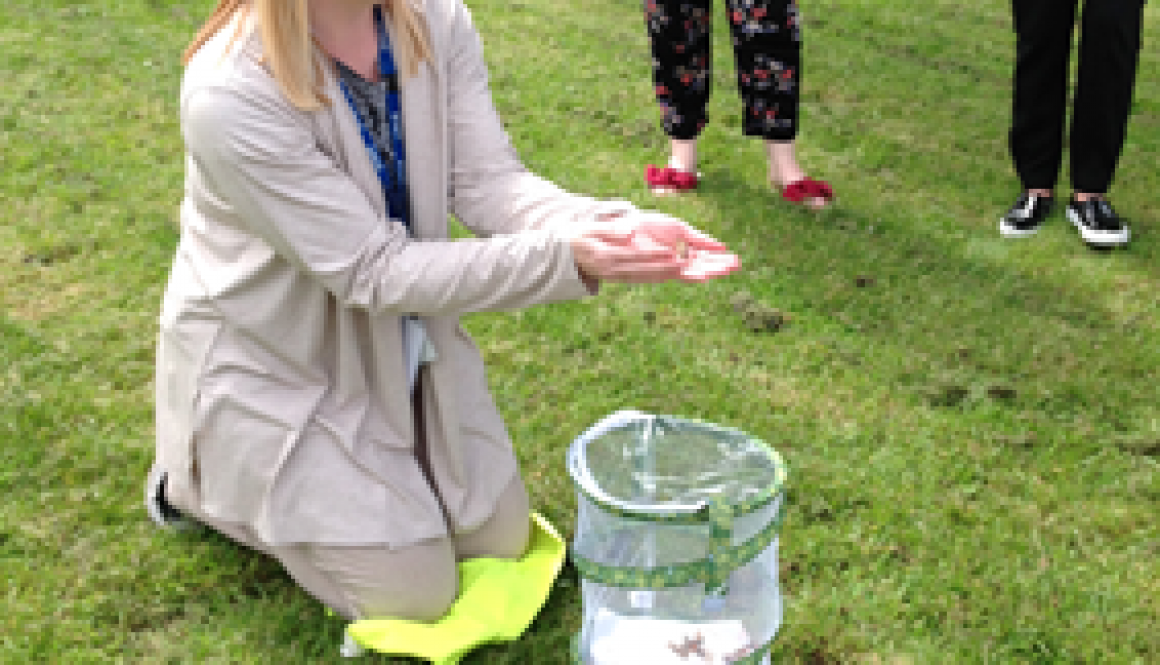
<point x="1026" y="215"/>
<point x="1098" y="223"/>
<point x="160" y="511"/>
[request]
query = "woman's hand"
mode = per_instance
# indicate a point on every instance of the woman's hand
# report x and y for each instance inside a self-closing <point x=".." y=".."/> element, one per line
<point x="644" y="247"/>
<point x="703" y="257"/>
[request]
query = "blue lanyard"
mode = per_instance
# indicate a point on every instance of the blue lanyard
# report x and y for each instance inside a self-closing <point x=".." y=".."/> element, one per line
<point x="393" y="177"/>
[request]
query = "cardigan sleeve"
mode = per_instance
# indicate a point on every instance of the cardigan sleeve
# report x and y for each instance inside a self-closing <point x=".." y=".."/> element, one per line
<point x="492" y="192"/>
<point x="260" y="169"/>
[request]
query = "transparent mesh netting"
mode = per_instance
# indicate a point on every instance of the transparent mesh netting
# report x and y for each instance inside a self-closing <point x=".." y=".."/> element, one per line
<point x="644" y="483"/>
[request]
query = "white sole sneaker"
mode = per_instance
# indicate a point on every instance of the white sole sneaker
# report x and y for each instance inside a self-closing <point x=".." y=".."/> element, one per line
<point x="1008" y="231"/>
<point x="1097" y="238"/>
<point x="1027" y="214"/>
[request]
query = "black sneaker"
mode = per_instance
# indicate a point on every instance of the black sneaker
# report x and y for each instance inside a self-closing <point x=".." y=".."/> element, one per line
<point x="1026" y="216"/>
<point x="1098" y="223"/>
<point x="160" y="510"/>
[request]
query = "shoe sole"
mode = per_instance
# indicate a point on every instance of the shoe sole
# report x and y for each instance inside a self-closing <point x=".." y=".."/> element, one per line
<point x="1008" y="231"/>
<point x="153" y="505"/>
<point x="1096" y="239"/>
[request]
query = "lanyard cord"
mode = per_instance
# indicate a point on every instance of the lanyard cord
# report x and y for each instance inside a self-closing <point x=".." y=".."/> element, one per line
<point x="393" y="177"/>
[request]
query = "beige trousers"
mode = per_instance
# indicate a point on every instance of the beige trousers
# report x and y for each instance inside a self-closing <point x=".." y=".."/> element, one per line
<point x="419" y="582"/>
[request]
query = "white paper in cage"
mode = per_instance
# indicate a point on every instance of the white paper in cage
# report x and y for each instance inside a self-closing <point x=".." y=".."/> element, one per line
<point x="619" y="640"/>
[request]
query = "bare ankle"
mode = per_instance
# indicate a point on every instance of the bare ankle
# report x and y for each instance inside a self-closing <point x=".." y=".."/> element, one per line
<point x="683" y="155"/>
<point x="783" y="165"/>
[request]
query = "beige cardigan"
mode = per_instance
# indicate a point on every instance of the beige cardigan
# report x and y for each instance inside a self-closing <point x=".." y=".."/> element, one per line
<point x="282" y="399"/>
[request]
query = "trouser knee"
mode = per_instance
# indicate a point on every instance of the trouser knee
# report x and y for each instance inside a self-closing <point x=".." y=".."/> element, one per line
<point x="426" y="601"/>
<point x="417" y="582"/>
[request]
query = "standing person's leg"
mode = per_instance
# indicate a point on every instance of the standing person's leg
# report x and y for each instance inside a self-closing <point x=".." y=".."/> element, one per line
<point x="681" y="46"/>
<point x="767" y="49"/>
<point x="1043" y="37"/>
<point x="1109" y="54"/>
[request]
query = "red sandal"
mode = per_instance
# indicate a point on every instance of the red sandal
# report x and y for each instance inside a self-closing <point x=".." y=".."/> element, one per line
<point x="808" y="188"/>
<point x="669" y="180"/>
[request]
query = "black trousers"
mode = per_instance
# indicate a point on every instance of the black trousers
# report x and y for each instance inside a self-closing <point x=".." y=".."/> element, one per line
<point x="1109" y="49"/>
<point x="767" y="49"/>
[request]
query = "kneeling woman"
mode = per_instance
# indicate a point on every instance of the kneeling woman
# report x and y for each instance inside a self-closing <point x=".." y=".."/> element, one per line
<point x="317" y="398"/>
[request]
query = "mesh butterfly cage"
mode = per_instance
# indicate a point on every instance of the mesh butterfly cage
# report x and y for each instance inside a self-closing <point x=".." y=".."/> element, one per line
<point x="675" y="542"/>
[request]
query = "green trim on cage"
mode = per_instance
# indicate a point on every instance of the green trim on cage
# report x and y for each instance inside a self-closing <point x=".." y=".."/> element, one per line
<point x="713" y="571"/>
<point x="761" y="499"/>
<point x="720" y="548"/>
<point x="752" y="658"/>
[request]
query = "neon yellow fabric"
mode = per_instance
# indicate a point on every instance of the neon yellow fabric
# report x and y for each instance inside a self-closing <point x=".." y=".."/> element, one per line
<point x="497" y="601"/>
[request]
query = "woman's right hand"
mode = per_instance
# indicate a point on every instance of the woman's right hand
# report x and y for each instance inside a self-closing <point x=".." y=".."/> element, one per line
<point x="644" y="247"/>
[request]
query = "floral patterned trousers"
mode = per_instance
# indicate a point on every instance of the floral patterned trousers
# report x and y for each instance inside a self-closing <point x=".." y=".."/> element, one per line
<point x="767" y="50"/>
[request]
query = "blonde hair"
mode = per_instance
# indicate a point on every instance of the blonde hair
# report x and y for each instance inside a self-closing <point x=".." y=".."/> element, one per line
<point x="289" y="51"/>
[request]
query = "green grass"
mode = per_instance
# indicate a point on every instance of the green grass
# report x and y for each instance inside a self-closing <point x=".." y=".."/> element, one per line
<point x="971" y="423"/>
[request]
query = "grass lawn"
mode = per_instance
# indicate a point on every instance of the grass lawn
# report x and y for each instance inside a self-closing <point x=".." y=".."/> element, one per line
<point x="971" y="423"/>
